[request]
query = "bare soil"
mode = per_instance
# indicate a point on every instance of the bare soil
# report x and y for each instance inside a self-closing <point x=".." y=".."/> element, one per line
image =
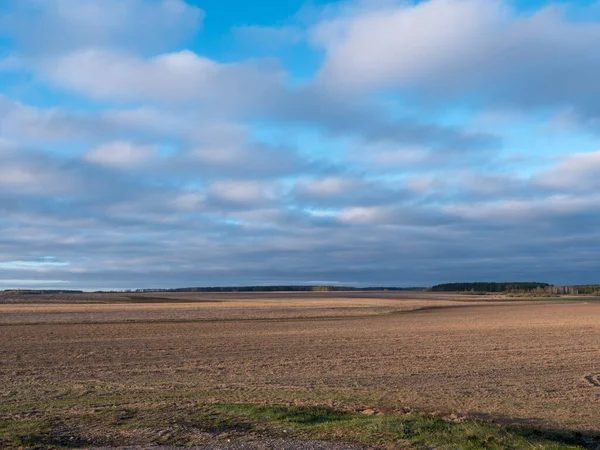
<point x="530" y="362"/>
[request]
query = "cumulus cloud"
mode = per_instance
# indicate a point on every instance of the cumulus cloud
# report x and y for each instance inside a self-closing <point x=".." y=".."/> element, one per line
<point x="182" y="76"/>
<point x="246" y="90"/>
<point x="400" y="43"/>
<point x="484" y="51"/>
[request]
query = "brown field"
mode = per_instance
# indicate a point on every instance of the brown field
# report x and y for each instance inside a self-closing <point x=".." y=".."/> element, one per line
<point x="534" y="361"/>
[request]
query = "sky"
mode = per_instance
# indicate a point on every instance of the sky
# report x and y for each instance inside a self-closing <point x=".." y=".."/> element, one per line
<point x="172" y="143"/>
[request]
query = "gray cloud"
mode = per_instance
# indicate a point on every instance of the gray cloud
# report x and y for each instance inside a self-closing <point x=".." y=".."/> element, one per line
<point x="238" y="231"/>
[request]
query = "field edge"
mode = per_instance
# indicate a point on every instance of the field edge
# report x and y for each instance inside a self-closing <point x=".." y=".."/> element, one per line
<point x="203" y="423"/>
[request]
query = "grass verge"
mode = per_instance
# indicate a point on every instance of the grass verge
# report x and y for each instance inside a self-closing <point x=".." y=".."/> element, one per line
<point x="199" y="423"/>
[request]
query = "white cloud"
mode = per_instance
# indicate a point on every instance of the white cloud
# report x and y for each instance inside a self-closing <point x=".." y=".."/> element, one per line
<point x="481" y="49"/>
<point x="159" y="121"/>
<point x="38" y="265"/>
<point x="190" y="201"/>
<point x="180" y="76"/>
<point x="29" y="124"/>
<point x="245" y="192"/>
<point x="105" y="74"/>
<point x="576" y="172"/>
<point x="121" y="154"/>
<point x="422" y="183"/>
<point x="387" y="155"/>
<point x="399" y="44"/>
<point x="369" y="215"/>
<point x="327" y="187"/>
<point x="522" y="211"/>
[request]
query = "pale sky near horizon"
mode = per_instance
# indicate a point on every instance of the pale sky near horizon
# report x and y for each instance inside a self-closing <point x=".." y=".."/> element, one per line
<point x="172" y="143"/>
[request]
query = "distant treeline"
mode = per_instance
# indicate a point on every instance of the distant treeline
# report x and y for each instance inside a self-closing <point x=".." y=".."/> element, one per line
<point x="519" y="287"/>
<point x="277" y="289"/>
<point x="489" y="287"/>
<point x="482" y="287"/>
<point x="589" y="289"/>
<point x="221" y="289"/>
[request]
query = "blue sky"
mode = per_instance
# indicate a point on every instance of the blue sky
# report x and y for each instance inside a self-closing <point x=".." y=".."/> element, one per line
<point x="165" y="143"/>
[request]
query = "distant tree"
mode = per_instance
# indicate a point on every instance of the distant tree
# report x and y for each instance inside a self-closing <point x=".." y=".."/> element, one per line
<point x="489" y="287"/>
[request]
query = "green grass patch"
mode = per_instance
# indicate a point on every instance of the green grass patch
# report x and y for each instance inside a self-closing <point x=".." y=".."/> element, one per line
<point x="295" y="422"/>
<point x="411" y="430"/>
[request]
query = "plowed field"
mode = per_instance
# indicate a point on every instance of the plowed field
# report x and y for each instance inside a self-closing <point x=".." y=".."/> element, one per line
<point x="530" y="362"/>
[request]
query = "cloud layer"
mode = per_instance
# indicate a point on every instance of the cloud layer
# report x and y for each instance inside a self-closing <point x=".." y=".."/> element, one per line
<point x="423" y="147"/>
